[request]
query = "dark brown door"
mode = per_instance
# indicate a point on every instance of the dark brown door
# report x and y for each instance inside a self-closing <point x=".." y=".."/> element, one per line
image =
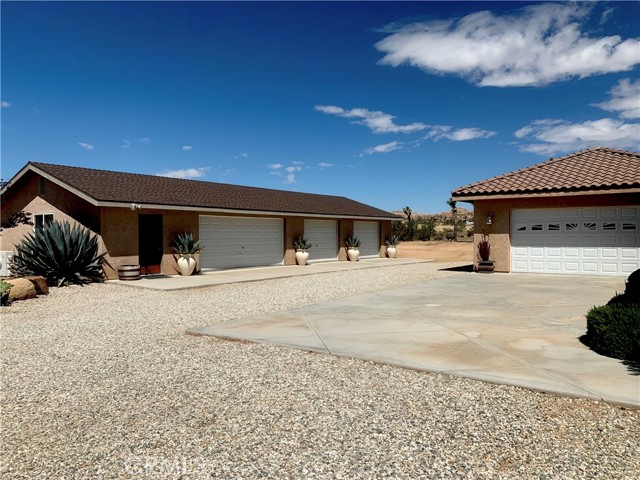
<point x="150" y="243"/>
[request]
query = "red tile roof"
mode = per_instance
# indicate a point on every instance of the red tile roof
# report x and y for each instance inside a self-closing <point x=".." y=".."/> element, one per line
<point x="589" y="170"/>
<point x="120" y="187"/>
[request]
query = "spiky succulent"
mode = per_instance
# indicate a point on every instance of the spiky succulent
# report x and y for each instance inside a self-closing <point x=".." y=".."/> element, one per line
<point x="185" y="244"/>
<point x="61" y="253"/>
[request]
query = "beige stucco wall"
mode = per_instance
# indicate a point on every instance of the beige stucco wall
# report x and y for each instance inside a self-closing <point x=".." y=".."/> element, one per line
<point x="385" y="234"/>
<point x="499" y="232"/>
<point x="62" y="204"/>
<point x="293" y="228"/>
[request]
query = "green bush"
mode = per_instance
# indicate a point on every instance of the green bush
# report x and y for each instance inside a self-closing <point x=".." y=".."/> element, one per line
<point x="4" y="292"/>
<point x="614" y="331"/>
<point x="60" y="253"/>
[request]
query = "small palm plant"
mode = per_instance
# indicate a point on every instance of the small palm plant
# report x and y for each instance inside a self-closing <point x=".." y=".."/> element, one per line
<point x="484" y="249"/>
<point x="185" y="244"/>
<point x="60" y="253"/>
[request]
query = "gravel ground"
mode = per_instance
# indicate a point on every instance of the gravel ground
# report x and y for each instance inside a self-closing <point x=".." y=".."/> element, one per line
<point x="102" y="382"/>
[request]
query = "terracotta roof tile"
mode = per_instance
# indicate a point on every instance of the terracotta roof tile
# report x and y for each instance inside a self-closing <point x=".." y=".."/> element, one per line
<point x="108" y="186"/>
<point x="594" y="169"/>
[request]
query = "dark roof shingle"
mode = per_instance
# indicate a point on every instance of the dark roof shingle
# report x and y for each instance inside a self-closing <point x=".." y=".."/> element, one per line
<point x="594" y="169"/>
<point x="121" y="187"/>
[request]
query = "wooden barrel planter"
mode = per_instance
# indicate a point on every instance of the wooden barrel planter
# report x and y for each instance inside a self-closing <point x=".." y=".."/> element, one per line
<point x="129" y="272"/>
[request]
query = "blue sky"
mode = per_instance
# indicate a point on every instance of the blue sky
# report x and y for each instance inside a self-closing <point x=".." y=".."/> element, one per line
<point x="388" y="103"/>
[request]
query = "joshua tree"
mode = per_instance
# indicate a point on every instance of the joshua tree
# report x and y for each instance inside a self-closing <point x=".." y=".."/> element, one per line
<point x="454" y="211"/>
<point x="410" y="222"/>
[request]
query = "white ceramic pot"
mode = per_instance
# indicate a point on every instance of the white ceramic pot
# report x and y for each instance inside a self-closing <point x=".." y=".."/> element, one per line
<point x="392" y="252"/>
<point x="301" y="257"/>
<point x="353" y="254"/>
<point x="186" y="264"/>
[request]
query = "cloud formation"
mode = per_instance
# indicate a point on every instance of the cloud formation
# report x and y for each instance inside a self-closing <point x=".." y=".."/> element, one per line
<point x="292" y="169"/>
<point x="560" y="136"/>
<point x="5" y="104"/>
<point x="378" y="122"/>
<point x="276" y="166"/>
<point x="325" y="165"/>
<point x="187" y="148"/>
<point x="384" y="148"/>
<point x="625" y="99"/>
<point x="438" y="132"/>
<point x="145" y="140"/>
<point x="291" y="178"/>
<point x="185" y="173"/>
<point x="86" y="146"/>
<point x="536" y="45"/>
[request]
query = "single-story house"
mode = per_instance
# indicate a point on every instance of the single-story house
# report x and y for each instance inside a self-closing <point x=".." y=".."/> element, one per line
<point x="575" y="214"/>
<point x="138" y="216"/>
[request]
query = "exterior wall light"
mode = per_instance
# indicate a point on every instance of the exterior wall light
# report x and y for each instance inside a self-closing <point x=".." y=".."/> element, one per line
<point x="136" y="206"/>
<point x="489" y="218"/>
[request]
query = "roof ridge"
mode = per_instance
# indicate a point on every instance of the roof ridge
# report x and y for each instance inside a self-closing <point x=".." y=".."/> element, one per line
<point x="547" y="162"/>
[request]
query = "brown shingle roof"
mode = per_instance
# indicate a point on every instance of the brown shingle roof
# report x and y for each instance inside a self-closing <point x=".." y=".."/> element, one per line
<point x="120" y="187"/>
<point x="594" y="169"/>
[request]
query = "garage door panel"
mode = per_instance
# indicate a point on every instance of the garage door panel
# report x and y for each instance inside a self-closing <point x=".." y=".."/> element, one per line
<point x="594" y="240"/>
<point x="323" y="235"/>
<point x="369" y="234"/>
<point x="240" y="241"/>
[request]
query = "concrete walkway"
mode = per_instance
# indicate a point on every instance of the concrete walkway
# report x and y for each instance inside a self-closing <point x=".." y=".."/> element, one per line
<point x="254" y="274"/>
<point x="514" y="329"/>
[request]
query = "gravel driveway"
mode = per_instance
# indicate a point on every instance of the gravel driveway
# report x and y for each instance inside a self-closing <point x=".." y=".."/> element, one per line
<point x="102" y="382"/>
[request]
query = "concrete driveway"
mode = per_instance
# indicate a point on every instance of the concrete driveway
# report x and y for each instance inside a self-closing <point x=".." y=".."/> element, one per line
<point x="514" y="329"/>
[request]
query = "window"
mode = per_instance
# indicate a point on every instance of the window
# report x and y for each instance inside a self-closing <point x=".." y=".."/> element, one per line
<point x="42" y="220"/>
<point x="589" y="226"/>
<point x="536" y="227"/>
<point x="553" y="227"/>
<point x="608" y="226"/>
<point x="570" y="226"/>
<point x="629" y="226"/>
<point x="521" y="228"/>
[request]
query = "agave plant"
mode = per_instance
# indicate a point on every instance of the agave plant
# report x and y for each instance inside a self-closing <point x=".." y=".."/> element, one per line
<point x="353" y="242"/>
<point x="484" y="248"/>
<point x="185" y="244"/>
<point x="393" y="241"/>
<point x="302" y="243"/>
<point x="60" y="253"/>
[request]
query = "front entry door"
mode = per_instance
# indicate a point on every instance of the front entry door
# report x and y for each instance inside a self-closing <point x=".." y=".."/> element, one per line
<point x="150" y="243"/>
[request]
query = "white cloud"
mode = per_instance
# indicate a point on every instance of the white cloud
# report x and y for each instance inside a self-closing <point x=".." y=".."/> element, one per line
<point x="126" y="144"/>
<point x="536" y="45"/>
<point x="625" y="99"/>
<point x="384" y="148"/>
<point x="5" y="104"/>
<point x="325" y="165"/>
<point x="550" y="137"/>
<point x="297" y="162"/>
<point x="438" y="132"/>
<point x="276" y="166"/>
<point x="241" y="155"/>
<point x="145" y="140"/>
<point x="378" y="122"/>
<point x="291" y="178"/>
<point x="86" y="146"/>
<point x="293" y="169"/>
<point x="185" y="173"/>
<point x="187" y="148"/>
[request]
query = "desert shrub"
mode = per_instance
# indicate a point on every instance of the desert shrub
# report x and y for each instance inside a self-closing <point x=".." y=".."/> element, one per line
<point x="60" y="253"/>
<point x="4" y="292"/>
<point x="426" y="229"/>
<point x="614" y="331"/>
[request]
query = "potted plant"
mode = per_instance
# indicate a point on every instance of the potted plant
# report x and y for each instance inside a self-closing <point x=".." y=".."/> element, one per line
<point x="352" y="244"/>
<point x="392" y="246"/>
<point x="186" y="246"/>
<point x="301" y="245"/>
<point x="484" y="251"/>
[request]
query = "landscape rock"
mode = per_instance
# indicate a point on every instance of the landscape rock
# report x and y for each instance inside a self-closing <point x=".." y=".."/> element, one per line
<point x="22" y="289"/>
<point x="40" y="283"/>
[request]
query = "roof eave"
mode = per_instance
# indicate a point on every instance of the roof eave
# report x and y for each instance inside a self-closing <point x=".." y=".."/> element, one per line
<point x="561" y="193"/>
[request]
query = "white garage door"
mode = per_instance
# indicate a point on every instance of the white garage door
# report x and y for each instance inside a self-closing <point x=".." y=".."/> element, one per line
<point x="240" y="241"/>
<point x="598" y="241"/>
<point x="368" y="234"/>
<point x="323" y="235"/>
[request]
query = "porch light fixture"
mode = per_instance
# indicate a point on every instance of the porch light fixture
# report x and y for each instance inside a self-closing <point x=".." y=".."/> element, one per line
<point x="489" y="218"/>
<point x="136" y="206"/>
